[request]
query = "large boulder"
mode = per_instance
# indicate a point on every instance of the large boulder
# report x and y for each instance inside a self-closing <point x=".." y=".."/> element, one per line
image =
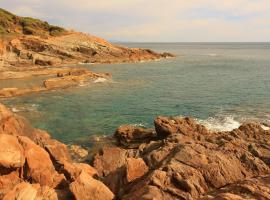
<point x="87" y="188"/>
<point x="73" y="170"/>
<point x="11" y="152"/>
<point x="166" y="126"/>
<point x="135" y="168"/>
<point x="109" y="160"/>
<point x="39" y="166"/>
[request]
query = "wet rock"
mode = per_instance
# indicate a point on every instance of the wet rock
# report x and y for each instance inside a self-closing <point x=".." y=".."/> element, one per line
<point x="87" y="188"/>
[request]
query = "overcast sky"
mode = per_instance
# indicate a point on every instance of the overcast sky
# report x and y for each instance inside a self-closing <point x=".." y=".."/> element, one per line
<point x="155" y="20"/>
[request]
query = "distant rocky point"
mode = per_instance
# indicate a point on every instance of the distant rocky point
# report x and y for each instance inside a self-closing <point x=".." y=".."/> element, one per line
<point x="31" y="47"/>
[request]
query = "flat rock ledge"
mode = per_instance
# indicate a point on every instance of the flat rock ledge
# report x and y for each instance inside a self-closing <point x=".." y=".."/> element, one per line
<point x="61" y="78"/>
<point x="178" y="159"/>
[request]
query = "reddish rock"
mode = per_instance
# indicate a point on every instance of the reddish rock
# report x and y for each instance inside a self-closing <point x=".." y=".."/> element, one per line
<point x="109" y="160"/>
<point x="78" y="153"/>
<point x="8" y="182"/>
<point x="11" y="152"/>
<point x="73" y="170"/>
<point x="136" y="168"/>
<point x="166" y="126"/>
<point x="57" y="151"/>
<point x="39" y="166"/>
<point x="131" y="136"/>
<point x="87" y="188"/>
<point x="26" y="191"/>
<point x="255" y="188"/>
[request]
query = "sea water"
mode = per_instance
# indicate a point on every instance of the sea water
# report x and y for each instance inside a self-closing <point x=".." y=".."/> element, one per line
<point x="220" y="84"/>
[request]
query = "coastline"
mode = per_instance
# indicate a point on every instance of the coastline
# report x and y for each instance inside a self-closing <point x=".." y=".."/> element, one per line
<point x="18" y="66"/>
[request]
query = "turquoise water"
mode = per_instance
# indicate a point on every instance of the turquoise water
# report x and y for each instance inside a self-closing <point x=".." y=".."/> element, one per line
<point x="219" y="84"/>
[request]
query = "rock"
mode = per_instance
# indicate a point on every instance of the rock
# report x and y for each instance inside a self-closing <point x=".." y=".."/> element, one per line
<point x="136" y="168"/>
<point x="109" y="160"/>
<point x="255" y="188"/>
<point x="166" y="126"/>
<point x="189" y="161"/>
<point x="22" y="191"/>
<point x="39" y="166"/>
<point x="11" y="152"/>
<point x="8" y="182"/>
<point x="73" y="170"/>
<point x="87" y="188"/>
<point x="57" y="151"/>
<point x="26" y="191"/>
<point x="131" y="136"/>
<point x="78" y="153"/>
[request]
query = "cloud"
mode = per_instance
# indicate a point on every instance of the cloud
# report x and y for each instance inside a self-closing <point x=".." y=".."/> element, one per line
<point x="155" y="20"/>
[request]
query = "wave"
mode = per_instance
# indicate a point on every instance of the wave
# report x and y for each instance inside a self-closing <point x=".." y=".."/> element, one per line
<point x="26" y="108"/>
<point x="220" y="123"/>
<point x="100" y="80"/>
<point x="230" y="122"/>
<point x="211" y="55"/>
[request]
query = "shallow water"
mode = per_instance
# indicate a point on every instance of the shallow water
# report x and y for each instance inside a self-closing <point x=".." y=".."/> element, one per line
<point x="219" y="84"/>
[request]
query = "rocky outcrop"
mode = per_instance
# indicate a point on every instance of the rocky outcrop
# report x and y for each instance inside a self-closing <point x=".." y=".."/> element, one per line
<point x="186" y="161"/>
<point x="31" y="47"/>
<point x="131" y="136"/>
<point x="63" y="79"/>
<point x="34" y="166"/>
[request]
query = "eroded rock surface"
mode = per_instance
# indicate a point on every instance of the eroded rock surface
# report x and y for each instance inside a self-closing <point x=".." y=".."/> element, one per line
<point x="34" y="166"/>
<point x="186" y="161"/>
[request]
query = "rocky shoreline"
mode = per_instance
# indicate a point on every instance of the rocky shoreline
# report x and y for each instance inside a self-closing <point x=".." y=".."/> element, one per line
<point x="179" y="159"/>
<point x="22" y="58"/>
<point x="31" y="47"/>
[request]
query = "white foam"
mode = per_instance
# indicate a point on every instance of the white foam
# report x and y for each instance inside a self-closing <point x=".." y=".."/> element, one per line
<point x="100" y="80"/>
<point x="211" y="54"/>
<point x="266" y="128"/>
<point x="220" y="123"/>
<point x="15" y="109"/>
<point x="139" y="125"/>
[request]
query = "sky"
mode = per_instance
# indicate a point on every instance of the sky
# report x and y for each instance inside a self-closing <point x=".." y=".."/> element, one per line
<point x="155" y="20"/>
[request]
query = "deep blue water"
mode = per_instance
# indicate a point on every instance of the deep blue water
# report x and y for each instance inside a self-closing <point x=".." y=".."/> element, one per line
<point x="220" y="84"/>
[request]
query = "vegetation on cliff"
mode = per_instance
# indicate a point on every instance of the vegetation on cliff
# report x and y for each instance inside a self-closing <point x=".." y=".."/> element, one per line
<point x="10" y="23"/>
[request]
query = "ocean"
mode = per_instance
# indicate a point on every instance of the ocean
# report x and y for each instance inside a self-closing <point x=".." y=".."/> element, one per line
<point x="220" y="84"/>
